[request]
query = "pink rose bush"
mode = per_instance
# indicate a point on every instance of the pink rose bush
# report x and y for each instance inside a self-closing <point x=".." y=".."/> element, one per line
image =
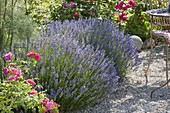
<point x="21" y="92"/>
<point x="49" y="105"/>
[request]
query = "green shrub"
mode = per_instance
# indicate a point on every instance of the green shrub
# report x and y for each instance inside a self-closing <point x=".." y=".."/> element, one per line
<point x="138" y="24"/>
<point x="18" y="92"/>
<point x="15" y="26"/>
<point x="44" y="12"/>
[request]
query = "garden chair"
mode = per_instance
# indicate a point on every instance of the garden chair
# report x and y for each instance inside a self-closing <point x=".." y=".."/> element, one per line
<point x="160" y="21"/>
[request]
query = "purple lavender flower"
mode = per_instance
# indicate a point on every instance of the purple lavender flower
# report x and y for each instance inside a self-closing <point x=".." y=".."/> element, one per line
<point x="85" y="59"/>
<point x="73" y="69"/>
<point x="103" y="35"/>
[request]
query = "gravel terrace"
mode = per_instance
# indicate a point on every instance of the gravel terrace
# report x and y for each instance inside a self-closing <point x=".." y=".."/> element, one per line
<point x="132" y="95"/>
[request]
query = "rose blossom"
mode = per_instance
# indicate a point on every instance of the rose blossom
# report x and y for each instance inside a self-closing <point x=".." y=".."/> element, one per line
<point x="33" y="91"/>
<point x="5" y="70"/>
<point x="31" y="81"/>
<point x="76" y="14"/>
<point x="33" y="54"/>
<point x="13" y="70"/>
<point x="8" y="56"/>
<point x="11" y="78"/>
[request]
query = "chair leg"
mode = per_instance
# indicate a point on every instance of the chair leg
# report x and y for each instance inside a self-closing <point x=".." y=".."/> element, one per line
<point x="167" y="63"/>
<point x="150" y="60"/>
<point x="167" y="81"/>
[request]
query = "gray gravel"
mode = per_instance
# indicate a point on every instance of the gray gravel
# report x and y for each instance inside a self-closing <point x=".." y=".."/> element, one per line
<point x="133" y="96"/>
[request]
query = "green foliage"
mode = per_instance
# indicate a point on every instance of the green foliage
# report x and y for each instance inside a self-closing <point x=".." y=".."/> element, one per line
<point x="85" y="8"/>
<point x="41" y="10"/>
<point x="75" y="9"/>
<point x="138" y="24"/>
<point x="23" y="28"/>
<point x="47" y="10"/>
<point x="14" y="24"/>
<point x="17" y="92"/>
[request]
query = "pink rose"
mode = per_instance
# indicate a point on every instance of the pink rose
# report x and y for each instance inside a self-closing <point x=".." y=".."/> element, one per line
<point x="50" y="105"/>
<point x="76" y="15"/>
<point x="37" y="56"/>
<point x="132" y="3"/>
<point x="16" y="77"/>
<point x="11" y="78"/>
<point x="31" y="81"/>
<point x="13" y="70"/>
<point x="5" y="70"/>
<point x="44" y="101"/>
<point x="18" y="72"/>
<point x="12" y="64"/>
<point x="72" y="4"/>
<point x="31" y="54"/>
<point x="8" y="56"/>
<point x="33" y="91"/>
<point x="120" y="5"/>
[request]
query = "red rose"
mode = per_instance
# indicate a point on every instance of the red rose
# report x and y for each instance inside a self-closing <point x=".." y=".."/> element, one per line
<point x="31" y="81"/>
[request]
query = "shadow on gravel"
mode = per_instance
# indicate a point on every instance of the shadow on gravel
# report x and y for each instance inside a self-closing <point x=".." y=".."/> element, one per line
<point x="158" y="53"/>
<point x="129" y="99"/>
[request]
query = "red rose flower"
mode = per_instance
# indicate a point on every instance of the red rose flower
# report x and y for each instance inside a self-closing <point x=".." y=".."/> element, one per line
<point x="37" y="56"/>
<point x="31" y="54"/>
<point x="31" y="81"/>
<point x="76" y="15"/>
<point x="33" y="91"/>
<point x="13" y="71"/>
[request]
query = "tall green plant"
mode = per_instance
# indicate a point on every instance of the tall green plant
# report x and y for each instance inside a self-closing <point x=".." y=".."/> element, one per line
<point x="2" y="18"/>
<point x="15" y="25"/>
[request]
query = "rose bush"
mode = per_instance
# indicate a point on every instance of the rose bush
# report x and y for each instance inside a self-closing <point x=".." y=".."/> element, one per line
<point x="18" y="92"/>
<point x="125" y="9"/>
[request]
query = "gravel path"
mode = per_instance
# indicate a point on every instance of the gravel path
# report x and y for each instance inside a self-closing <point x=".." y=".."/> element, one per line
<point x="132" y="95"/>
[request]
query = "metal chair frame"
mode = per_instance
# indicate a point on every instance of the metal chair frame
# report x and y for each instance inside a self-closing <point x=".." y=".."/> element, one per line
<point x="159" y="18"/>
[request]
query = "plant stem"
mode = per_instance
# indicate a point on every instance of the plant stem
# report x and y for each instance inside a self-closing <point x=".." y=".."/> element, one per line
<point x="12" y="20"/>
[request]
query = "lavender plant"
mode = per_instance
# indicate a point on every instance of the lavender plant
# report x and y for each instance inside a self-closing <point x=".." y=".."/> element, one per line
<point x="103" y="35"/>
<point x="74" y="74"/>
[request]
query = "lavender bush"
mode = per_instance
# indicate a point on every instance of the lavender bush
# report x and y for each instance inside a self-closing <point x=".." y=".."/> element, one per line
<point x="74" y="74"/>
<point x="103" y="35"/>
